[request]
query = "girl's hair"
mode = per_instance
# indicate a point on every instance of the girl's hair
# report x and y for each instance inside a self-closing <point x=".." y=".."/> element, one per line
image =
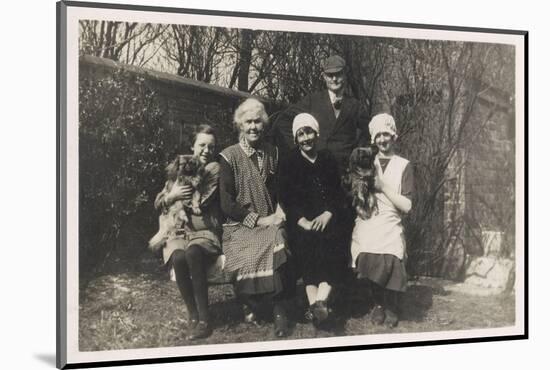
<point x="203" y="128"/>
<point x="250" y="105"/>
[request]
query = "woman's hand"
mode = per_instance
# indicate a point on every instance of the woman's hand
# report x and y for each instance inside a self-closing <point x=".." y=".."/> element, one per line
<point x="184" y="192"/>
<point x="320" y="222"/>
<point x="305" y="224"/>
<point x="399" y="201"/>
<point x="272" y="219"/>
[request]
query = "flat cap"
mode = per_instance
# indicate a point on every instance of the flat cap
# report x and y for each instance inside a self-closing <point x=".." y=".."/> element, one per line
<point x="333" y="64"/>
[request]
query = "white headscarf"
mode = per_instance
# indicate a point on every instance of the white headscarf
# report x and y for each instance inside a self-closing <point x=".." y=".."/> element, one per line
<point x="380" y="123"/>
<point x="304" y="120"/>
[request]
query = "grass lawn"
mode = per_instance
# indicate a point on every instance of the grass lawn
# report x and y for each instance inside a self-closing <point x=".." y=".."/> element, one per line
<point x="124" y="310"/>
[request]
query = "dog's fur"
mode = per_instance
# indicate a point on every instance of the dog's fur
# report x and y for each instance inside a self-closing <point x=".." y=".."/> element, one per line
<point x="359" y="181"/>
<point x="184" y="170"/>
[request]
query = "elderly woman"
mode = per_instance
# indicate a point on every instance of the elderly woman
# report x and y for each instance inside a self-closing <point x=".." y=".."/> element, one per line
<point x="314" y="201"/>
<point x="254" y="241"/>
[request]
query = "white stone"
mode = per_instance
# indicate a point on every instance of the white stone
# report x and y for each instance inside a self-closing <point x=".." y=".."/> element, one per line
<point x="486" y="276"/>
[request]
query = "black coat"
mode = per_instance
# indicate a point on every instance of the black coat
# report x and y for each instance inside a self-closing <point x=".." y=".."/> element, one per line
<point x="306" y="190"/>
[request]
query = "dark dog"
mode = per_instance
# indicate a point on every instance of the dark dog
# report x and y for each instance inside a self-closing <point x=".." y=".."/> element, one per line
<point x="191" y="172"/>
<point x="184" y="170"/>
<point x="359" y="181"/>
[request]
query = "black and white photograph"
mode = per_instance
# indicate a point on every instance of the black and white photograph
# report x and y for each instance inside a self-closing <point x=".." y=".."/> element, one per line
<point x="250" y="184"/>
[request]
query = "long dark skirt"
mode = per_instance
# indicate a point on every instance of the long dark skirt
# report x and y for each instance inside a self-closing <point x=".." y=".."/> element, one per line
<point x="320" y="256"/>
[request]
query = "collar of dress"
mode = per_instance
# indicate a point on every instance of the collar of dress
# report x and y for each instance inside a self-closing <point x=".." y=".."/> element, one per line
<point x="248" y="150"/>
<point x="308" y="158"/>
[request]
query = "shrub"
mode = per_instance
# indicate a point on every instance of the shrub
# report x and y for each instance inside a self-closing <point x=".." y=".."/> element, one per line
<point x="122" y="140"/>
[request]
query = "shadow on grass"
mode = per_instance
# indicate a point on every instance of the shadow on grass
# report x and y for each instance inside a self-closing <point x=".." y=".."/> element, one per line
<point x="356" y="301"/>
<point x="416" y="302"/>
<point x="226" y="313"/>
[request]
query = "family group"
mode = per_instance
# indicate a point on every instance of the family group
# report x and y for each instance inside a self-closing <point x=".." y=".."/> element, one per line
<point x="317" y="195"/>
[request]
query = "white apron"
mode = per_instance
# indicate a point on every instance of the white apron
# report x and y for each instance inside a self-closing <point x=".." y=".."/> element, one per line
<point x="382" y="233"/>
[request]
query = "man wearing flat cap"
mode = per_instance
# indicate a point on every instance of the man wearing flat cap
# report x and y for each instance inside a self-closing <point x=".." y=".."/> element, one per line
<point x="342" y="119"/>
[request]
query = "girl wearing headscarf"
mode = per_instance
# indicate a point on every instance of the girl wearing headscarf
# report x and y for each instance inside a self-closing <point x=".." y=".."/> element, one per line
<point x="313" y="200"/>
<point x="378" y="246"/>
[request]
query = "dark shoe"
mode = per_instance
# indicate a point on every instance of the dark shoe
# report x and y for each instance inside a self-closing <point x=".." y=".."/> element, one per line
<point x="192" y="323"/>
<point x="391" y="319"/>
<point x="281" y="325"/>
<point x="377" y="315"/>
<point x="201" y="330"/>
<point x="320" y="311"/>
<point x="308" y="315"/>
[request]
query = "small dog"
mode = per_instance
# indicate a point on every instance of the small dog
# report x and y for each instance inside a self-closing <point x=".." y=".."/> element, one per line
<point x="184" y="170"/>
<point x="359" y="180"/>
<point x="190" y="172"/>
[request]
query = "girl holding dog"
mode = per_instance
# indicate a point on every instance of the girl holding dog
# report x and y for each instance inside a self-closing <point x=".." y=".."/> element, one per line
<point x="313" y="200"/>
<point x="194" y="247"/>
<point x="378" y="248"/>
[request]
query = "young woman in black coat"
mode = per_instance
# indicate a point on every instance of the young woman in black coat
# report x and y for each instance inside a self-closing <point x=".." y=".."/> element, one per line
<point x="314" y="203"/>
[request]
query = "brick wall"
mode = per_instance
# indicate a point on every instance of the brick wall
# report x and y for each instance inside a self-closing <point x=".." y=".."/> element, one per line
<point x="188" y="102"/>
<point x="490" y="179"/>
<point x="479" y="201"/>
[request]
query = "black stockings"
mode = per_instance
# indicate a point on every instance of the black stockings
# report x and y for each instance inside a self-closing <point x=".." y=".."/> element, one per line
<point x="385" y="297"/>
<point x="190" y="268"/>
